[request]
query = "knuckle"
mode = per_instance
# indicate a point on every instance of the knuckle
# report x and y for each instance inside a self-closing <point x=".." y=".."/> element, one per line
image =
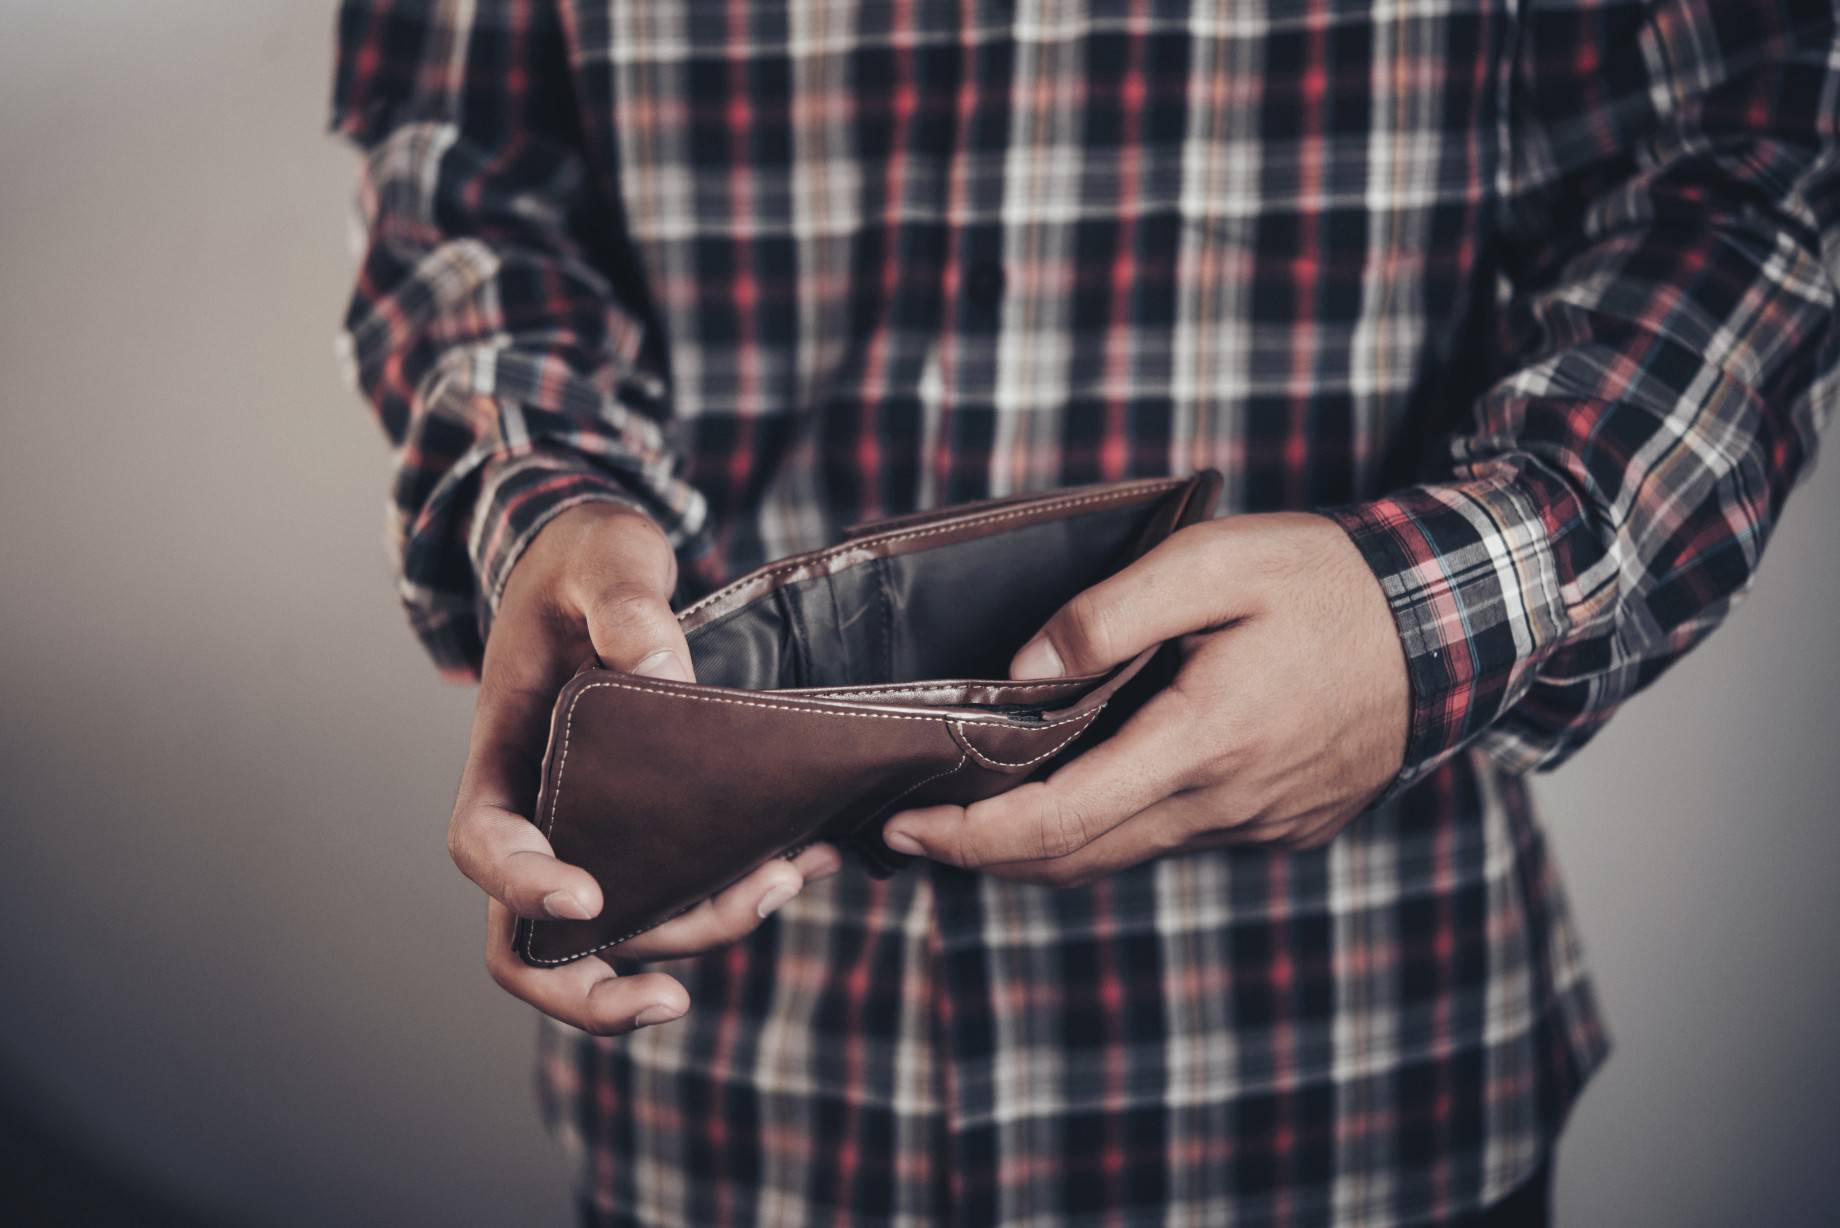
<point x="625" y="607"/>
<point x="1244" y="811"/>
<point x="619" y="537"/>
<point x="605" y="1027"/>
<point x="961" y="850"/>
<point x="731" y="927"/>
<point x="636" y="527"/>
<point x="501" y="972"/>
<point x="1089" y="627"/>
<point x="717" y="929"/>
<point x="1322" y="834"/>
<point x="1064" y="828"/>
<point x="646" y="541"/>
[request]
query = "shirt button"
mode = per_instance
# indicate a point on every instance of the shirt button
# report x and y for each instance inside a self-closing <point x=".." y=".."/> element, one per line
<point x="984" y="284"/>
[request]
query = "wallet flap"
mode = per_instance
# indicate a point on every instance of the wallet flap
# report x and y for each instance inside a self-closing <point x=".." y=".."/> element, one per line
<point x="667" y="792"/>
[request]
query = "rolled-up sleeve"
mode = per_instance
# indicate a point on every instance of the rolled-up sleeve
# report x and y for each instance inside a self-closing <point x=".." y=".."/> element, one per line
<point x="1671" y="237"/>
<point x="491" y="327"/>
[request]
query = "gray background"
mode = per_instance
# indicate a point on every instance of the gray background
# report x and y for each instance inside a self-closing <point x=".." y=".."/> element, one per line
<point x="238" y="963"/>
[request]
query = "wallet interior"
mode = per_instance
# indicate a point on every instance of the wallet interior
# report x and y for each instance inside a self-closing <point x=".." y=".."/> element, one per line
<point x="956" y="610"/>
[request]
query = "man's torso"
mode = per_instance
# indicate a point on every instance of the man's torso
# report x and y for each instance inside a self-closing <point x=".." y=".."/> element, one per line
<point x="900" y="253"/>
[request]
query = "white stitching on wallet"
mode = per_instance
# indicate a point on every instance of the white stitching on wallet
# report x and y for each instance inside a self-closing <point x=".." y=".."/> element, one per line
<point x="999" y="721"/>
<point x="1010" y="685"/>
<point x="955" y="526"/>
<point x="1087" y="717"/>
<point x="568" y="733"/>
<point x="885" y="807"/>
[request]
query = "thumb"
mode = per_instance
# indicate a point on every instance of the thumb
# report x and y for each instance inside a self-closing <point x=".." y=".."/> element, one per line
<point x="622" y="586"/>
<point x="1170" y="591"/>
<point x="634" y="630"/>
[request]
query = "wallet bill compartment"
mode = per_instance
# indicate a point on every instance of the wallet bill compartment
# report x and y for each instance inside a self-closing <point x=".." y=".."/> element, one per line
<point x="952" y="601"/>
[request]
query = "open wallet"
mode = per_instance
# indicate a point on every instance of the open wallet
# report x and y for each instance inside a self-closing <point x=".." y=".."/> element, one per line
<point x="836" y="688"/>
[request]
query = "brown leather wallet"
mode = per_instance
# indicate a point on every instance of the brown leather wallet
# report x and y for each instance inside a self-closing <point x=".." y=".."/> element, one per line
<point x="835" y="688"/>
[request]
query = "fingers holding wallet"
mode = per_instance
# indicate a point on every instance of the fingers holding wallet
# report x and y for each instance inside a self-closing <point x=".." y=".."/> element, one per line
<point x="596" y="581"/>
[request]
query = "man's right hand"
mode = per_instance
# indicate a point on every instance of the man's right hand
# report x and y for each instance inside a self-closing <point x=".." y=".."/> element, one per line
<point x="597" y="579"/>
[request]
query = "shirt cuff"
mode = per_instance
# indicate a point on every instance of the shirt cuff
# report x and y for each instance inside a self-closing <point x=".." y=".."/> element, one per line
<point x="1472" y="577"/>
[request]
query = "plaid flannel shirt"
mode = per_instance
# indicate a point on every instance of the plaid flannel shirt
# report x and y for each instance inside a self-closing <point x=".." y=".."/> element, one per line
<point x="1536" y="297"/>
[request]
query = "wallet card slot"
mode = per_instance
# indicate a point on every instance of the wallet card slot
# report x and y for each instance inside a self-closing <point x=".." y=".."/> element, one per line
<point x="968" y="694"/>
<point x="1027" y="713"/>
<point x="757" y="648"/>
<point x="795" y="666"/>
<point x="884" y="601"/>
<point x="858" y="622"/>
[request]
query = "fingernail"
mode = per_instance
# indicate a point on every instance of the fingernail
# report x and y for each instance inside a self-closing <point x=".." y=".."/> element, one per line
<point x="663" y="664"/>
<point x="1037" y="660"/>
<point x="566" y="906"/>
<point x="774" y="898"/>
<point x="901" y="842"/>
<point x="657" y="1012"/>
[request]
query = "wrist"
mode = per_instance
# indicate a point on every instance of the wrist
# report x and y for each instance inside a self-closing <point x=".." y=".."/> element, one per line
<point x="569" y="556"/>
<point x="1368" y="634"/>
<point x="572" y="531"/>
<point x="1472" y="581"/>
<point x="520" y="495"/>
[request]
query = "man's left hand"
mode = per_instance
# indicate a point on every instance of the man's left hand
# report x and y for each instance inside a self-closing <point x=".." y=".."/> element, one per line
<point x="1288" y="715"/>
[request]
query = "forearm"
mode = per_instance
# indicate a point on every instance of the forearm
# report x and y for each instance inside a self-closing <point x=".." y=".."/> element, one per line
<point x="1673" y="347"/>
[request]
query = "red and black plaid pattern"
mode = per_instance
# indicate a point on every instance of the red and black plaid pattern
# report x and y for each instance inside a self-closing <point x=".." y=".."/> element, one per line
<point x="1537" y="299"/>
